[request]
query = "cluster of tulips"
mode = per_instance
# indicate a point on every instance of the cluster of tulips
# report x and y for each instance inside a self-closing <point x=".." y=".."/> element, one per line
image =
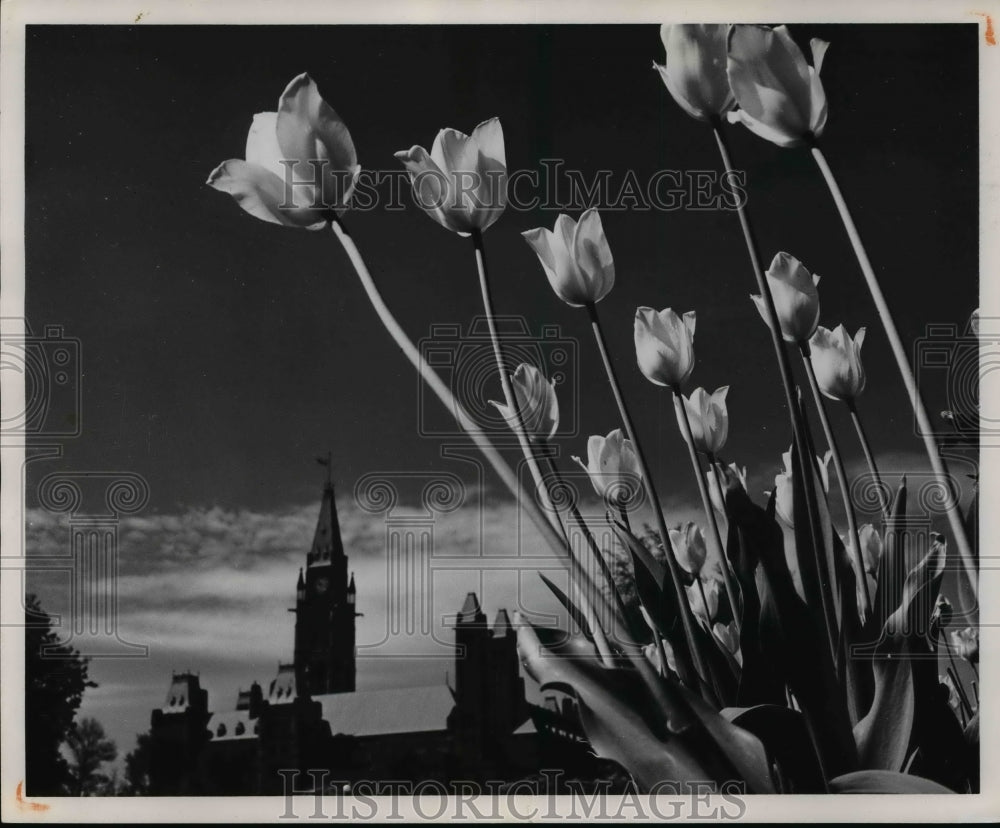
<point x="767" y="649"/>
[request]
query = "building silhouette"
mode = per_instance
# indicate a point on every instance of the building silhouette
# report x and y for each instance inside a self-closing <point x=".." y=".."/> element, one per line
<point x="311" y="719"/>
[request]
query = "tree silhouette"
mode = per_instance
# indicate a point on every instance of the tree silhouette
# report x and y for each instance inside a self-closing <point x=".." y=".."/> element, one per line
<point x="55" y="679"/>
<point x="90" y="748"/>
<point x="137" y="766"/>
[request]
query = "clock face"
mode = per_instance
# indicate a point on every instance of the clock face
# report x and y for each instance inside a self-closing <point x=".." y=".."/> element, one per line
<point x="322" y="585"/>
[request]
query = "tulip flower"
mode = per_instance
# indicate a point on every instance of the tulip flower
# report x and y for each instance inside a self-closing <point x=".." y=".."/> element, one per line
<point x="781" y="97"/>
<point x="300" y="167"/>
<point x="537" y="403"/>
<point x="462" y="182"/>
<point x="688" y="543"/>
<point x="652" y="651"/>
<point x="735" y="476"/>
<point x="784" y="488"/>
<point x="726" y="634"/>
<point x="664" y="345"/>
<point x="576" y="258"/>
<point x="709" y="419"/>
<point x="871" y="548"/>
<point x="966" y="644"/>
<point x="695" y="70"/>
<point x="836" y="359"/>
<point x="704" y="592"/>
<point x="796" y="298"/>
<point x="613" y="468"/>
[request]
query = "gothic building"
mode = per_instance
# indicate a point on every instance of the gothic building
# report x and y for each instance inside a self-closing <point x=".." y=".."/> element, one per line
<point x="311" y="718"/>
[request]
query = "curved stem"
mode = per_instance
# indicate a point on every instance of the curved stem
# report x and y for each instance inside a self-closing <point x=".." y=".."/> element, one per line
<point x="654" y="502"/>
<point x="838" y="465"/>
<point x="504" y="371"/>
<point x="443" y="393"/>
<point x="905" y="371"/>
<point x="812" y="569"/>
<point x="706" y="502"/>
<point x="883" y="495"/>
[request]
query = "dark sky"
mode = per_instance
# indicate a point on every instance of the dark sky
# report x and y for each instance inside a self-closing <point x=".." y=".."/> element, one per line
<point x="222" y="354"/>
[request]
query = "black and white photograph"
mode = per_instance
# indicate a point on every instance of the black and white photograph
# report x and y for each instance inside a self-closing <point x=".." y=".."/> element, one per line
<point x="513" y="412"/>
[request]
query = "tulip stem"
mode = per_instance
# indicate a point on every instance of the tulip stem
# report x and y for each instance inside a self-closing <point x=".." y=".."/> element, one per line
<point x="587" y="534"/>
<point x="443" y="393"/>
<point x="838" y="465"/>
<point x="502" y="369"/>
<point x="812" y="569"/>
<point x="675" y="576"/>
<point x="706" y="502"/>
<point x="906" y="372"/>
<point x="883" y="495"/>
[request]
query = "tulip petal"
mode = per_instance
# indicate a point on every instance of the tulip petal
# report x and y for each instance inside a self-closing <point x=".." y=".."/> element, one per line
<point x="430" y="185"/>
<point x="261" y="193"/>
<point x="818" y="48"/>
<point x="593" y="255"/>
<point x="765" y="131"/>
<point x="315" y="137"/>
<point x="263" y="148"/>
<point x="489" y="138"/>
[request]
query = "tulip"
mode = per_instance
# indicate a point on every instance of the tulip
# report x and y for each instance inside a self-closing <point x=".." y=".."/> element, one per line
<point x="537" y="403"/>
<point x="796" y="299"/>
<point x="709" y="419"/>
<point x="726" y="634"/>
<point x="784" y="488"/>
<point x="974" y="322"/>
<point x="300" y="167"/>
<point x="836" y="359"/>
<point x="702" y="592"/>
<point x="462" y="182"/>
<point x="695" y="70"/>
<point x="652" y="651"/>
<point x="966" y="644"/>
<point x="735" y="476"/>
<point x="576" y="258"/>
<point x="664" y="345"/>
<point x="613" y="468"/>
<point x="781" y="97"/>
<point x="689" y="547"/>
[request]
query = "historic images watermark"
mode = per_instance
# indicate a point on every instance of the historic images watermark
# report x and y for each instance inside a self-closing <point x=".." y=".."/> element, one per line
<point x="552" y="186"/>
<point x="545" y="797"/>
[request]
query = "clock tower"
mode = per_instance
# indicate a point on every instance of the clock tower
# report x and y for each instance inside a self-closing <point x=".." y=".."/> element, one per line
<point x="324" y="608"/>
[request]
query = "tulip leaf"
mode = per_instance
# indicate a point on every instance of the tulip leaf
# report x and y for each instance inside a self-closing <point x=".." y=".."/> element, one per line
<point x="785" y="736"/>
<point x="883" y="735"/>
<point x="885" y="782"/>
<point x="791" y="636"/>
<point x="574" y="612"/>
<point x="892" y="564"/>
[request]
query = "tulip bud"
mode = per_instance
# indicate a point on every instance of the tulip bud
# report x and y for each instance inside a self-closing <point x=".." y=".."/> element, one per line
<point x="300" y="167"/>
<point x="694" y="594"/>
<point x="576" y="258"/>
<point x="695" y="70"/>
<point x="613" y="468"/>
<point x="709" y="419"/>
<point x="536" y="400"/>
<point x="652" y="652"/>
<point x="781" y="97"/>
<point x="664" y="345"/>
<point x="871" y="548"/>
<point x="836" y="360"/>
<point x="731" y="477"/>
<point x="796" y="299"/>
<point x="462" y="182"/>
<point x="784" y="488"/>
<point x="688" y="544"/>
<point x="966" y="644"/>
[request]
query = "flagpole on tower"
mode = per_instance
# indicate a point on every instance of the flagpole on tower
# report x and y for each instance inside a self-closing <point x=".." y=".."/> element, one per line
<point x="328" y="462"/>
